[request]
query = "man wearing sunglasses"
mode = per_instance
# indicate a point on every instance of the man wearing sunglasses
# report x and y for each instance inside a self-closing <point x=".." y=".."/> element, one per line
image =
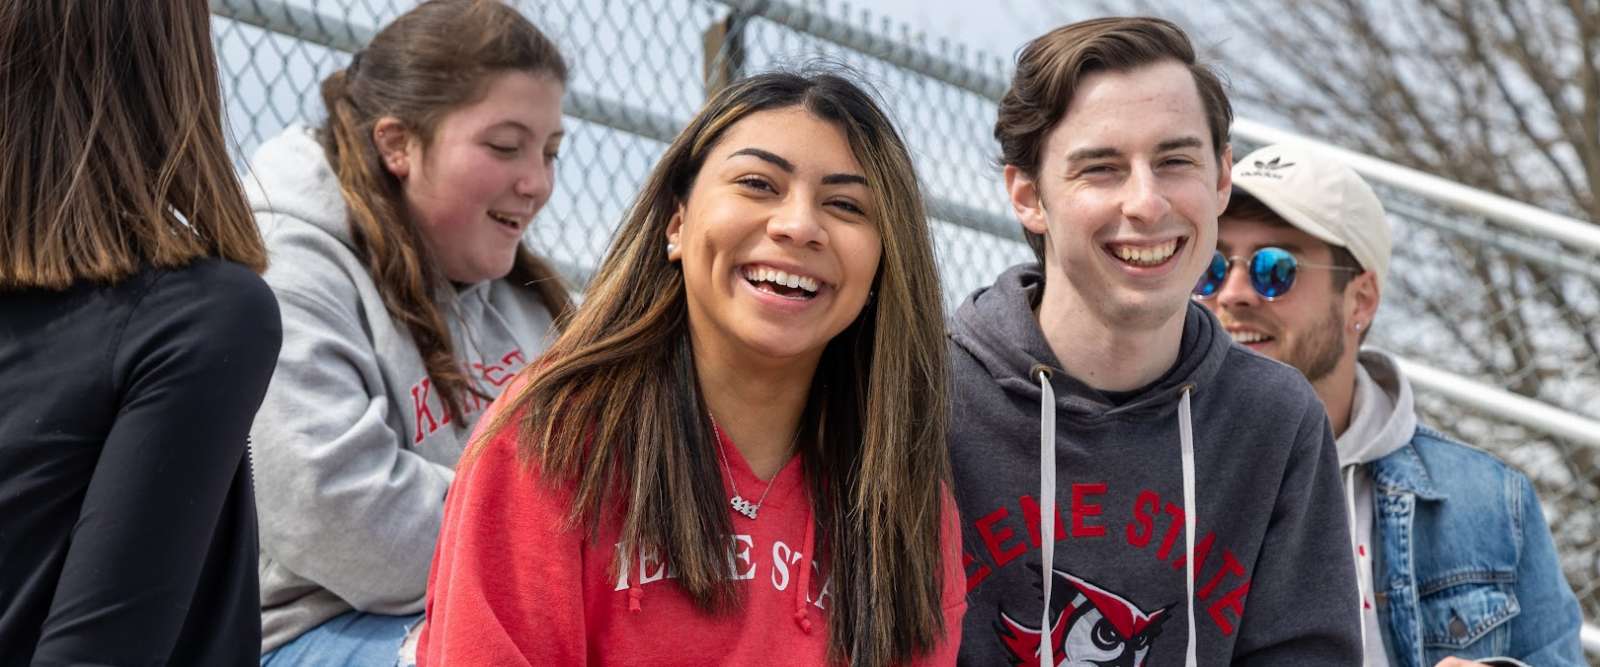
<point x="1454" y="559"/>
<point x="1134" y="488"/>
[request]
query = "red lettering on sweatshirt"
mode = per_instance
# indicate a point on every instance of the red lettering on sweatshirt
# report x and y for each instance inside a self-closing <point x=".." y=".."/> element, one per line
<point x="498" y="375"/>
<point x="974" y="576"/>
<point x="992" y="538"/>
<point x="1230" y="565"/>
<point x="494" y="375"/>
<point x="1081" y="510"/>
<point x="1174" y="529"/>
<point x="1143" y="526"/>
<point x="421" y="409"/>
<point x="1030" y="516"/>
<point x="1233" y="601"/>
<point x="1201" y="551"/>
<point x="1003" y="544"/>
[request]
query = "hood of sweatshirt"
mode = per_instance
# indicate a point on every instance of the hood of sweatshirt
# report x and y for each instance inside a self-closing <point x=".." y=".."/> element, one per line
<point x="1383" y="417"/>
<point x="1168" y="511"/>
<point x="289" y="175"/>
<point x="991" y="327"/>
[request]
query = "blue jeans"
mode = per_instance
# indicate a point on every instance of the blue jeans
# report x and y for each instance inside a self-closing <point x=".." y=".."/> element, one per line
<point x="353" y="638"/>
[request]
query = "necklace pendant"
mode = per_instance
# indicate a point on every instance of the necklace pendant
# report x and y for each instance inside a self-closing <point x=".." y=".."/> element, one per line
<point x="743" y="506"/>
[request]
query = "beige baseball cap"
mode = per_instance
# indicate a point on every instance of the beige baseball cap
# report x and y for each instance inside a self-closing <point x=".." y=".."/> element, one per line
<point x="1322" y="196"/>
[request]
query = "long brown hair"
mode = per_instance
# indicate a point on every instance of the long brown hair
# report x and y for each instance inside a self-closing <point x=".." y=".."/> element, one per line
<point x="112" y="154"/>
<point x="1050" y="67"/>
<point x="428" y="62"/>
<point x="616" y="408"/>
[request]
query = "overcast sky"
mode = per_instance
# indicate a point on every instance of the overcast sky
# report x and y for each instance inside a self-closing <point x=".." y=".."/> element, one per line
<point x="997" y="26"/>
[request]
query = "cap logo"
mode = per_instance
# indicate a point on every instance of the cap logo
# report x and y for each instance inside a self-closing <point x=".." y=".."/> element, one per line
<point x="1268" y="169"/>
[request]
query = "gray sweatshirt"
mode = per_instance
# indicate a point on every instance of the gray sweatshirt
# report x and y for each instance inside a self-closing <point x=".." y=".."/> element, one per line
<point x="1272" y="582"/>
<point x="353" y="448"/>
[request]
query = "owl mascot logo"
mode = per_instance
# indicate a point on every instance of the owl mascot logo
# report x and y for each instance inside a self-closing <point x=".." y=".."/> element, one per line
<point x="1093" y="628"/>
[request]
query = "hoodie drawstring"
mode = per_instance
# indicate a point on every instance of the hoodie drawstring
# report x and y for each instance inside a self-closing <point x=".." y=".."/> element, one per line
<point x="801" y="613"/>
<point x="1047" y="505"/>
<point x="1363" y="573"/>
<point x="1190" y="508"/>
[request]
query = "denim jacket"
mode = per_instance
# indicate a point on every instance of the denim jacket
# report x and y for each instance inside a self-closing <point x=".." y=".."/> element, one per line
<point x="1466" y="565"/>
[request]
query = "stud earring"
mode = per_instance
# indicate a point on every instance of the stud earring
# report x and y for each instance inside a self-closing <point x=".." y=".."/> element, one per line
<point x="1358" y="326"/>
<point x="671" y="248"/>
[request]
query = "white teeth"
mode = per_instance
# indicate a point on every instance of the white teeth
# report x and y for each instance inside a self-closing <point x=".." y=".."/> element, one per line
<point x="1248" y="336"/>
<point x="769" y="275"/>
<point x="1150" y="255"/>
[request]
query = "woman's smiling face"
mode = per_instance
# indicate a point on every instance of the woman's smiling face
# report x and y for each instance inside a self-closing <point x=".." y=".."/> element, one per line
<point x="777" y="238"/>
<point x="490" y="167"/>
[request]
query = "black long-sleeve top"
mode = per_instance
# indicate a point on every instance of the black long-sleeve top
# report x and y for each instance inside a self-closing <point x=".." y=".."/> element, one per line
<point x="127" y="515"/>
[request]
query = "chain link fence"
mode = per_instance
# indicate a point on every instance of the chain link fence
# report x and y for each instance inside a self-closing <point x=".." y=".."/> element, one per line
<point x="1500" y="307"/>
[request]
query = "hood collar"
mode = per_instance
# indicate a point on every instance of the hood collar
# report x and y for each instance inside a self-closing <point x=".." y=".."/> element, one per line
<point x="997" y="326"/>
<point x="289" y="175"/>
<point x="1382" y="412"/>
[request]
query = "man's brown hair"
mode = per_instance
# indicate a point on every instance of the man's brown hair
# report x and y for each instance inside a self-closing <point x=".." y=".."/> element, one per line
<point x="1050" y="67"/>
<point x="112" y="155"/>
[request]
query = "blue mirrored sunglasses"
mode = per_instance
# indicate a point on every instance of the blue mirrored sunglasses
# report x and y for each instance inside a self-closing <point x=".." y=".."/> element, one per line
<point x="1271" y="270"/>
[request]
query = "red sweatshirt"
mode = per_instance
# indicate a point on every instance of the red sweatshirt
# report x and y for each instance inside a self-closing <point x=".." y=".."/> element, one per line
<point x="509" y="586"/>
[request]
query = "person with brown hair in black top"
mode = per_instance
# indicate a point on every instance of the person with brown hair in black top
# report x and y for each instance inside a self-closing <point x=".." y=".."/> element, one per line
<point x="136" y="342"/>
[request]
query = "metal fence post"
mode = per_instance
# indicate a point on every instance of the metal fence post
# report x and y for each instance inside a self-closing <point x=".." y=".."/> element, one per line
<point x="723" y="49"/>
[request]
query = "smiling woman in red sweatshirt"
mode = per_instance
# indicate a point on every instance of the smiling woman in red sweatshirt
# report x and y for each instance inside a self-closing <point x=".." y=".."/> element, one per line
<point x="759" y="374"/>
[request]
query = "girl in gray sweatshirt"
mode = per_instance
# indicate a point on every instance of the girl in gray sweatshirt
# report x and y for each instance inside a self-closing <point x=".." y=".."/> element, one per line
<point x="409" y="302"/>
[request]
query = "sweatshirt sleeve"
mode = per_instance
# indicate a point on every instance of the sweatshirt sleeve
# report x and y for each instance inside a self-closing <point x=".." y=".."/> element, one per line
<point x="192" y="363"/>
<point x="1303" y="607"/>
<point x="505" y="588"/>
<point x="342" y="503"/>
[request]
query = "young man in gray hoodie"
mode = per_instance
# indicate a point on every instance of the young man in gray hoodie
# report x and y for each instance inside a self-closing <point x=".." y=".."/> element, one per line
<point x="1453" y="555"/>
<point x="1134" y="488"/>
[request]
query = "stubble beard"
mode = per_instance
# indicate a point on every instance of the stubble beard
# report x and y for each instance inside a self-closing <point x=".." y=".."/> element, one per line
<point x="1317" y="355"/>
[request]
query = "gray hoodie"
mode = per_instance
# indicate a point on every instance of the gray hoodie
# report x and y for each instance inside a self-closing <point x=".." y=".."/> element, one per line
<point x="353" y="448"/>
<point x="1272" y="582"/>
